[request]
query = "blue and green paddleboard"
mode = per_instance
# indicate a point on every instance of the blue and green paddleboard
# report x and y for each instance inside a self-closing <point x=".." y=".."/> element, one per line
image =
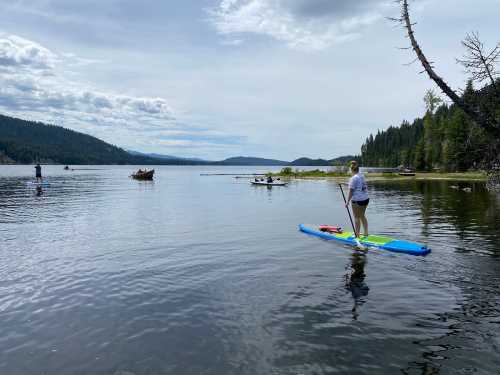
<point x="379" y="242"/>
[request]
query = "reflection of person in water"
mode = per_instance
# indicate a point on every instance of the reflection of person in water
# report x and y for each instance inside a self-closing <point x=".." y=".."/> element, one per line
<point x="355" y="281"/>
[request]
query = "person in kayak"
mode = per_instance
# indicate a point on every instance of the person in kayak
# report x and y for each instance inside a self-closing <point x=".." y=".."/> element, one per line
<point x="38" y="172"/>
<point x="358" y="195"/>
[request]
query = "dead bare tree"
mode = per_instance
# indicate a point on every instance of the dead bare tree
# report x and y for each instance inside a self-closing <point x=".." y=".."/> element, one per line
<point x="478" y="62"/>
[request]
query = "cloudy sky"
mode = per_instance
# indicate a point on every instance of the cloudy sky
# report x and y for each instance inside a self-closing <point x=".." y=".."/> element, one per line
<point x="220" y="78"/>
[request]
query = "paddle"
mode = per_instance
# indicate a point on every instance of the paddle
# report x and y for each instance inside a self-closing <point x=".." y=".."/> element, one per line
<point x="350" y="218"/>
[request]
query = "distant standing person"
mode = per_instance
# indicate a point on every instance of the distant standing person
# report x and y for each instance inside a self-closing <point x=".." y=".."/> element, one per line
<point x="358" y="195"/>
<point x="38" y="172"/>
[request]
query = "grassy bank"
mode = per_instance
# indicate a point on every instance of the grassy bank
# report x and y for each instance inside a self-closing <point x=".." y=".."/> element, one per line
<point x="456" y="176"/>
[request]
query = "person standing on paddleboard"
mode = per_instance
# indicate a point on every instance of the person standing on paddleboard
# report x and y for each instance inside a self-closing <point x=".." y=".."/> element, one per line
<point x="38" y="172"/>
<point x="358" y="195"/>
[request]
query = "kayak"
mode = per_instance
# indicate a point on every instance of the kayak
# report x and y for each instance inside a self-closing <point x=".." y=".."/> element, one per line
<point x="268" y="183"/>
<point x="375" y="241"/>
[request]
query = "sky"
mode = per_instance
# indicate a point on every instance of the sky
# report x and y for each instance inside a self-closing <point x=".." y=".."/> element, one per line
<point x="219" y="78"/>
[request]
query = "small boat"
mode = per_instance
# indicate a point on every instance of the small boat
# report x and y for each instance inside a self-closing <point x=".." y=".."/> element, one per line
<point x="263" y="183"/>
<point x="143" y="175"/>
<point x="406" y="172"/>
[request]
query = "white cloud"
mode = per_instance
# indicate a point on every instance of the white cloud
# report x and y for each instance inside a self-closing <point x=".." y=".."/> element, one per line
<point x="277" y="19"/>
<point x="29" y="83"/>
<point x="34" y="85"/>
<point x="20" y="52"/>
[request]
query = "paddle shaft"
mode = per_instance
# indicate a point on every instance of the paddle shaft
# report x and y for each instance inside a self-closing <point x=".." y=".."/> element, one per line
<point x="348" y="211"/>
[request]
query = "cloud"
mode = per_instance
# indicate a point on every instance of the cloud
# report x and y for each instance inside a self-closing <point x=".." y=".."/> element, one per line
<point x="32" y="86"/>
<point x="329" y="8"/>
<point x="19" y="52"/>
<point x="301" y="24"/>
<point x="26" y="87"/>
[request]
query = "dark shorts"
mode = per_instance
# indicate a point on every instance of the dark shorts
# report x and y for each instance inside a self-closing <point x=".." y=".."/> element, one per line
<point x="362" y="203"/>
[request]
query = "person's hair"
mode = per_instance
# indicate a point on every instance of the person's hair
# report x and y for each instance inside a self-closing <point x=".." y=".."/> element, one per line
<point x="355" y="168"/>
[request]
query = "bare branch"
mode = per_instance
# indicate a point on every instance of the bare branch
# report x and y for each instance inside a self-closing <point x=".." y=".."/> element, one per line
<point x="486" y="120"/>
<point x="412" y="62"/>
<point x="479" y="64"/>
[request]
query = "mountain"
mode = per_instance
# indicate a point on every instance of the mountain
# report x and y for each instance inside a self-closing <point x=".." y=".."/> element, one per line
<point x="160" y="156"/>
<point x="308" y="162"/>
<point x="246" y="160"/>
<point x="28" y="142"/>
<point x="166" y="157"/>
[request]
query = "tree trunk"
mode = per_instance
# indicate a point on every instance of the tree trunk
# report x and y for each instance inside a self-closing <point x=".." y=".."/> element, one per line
<point x="482" y="120"/>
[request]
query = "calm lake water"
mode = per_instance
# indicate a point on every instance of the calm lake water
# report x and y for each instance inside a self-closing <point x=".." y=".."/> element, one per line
<point x="190" y="274"/>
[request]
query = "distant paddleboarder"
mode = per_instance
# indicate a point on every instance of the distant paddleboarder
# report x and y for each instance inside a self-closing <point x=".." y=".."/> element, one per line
<point x="38" y="172"/>
<point x="358" y="195"/>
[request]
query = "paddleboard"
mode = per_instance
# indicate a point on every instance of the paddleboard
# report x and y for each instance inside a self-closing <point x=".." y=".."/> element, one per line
<point x="374" y="241"/>
<point x="268" y="184"/>
<point x="35" y="183"/>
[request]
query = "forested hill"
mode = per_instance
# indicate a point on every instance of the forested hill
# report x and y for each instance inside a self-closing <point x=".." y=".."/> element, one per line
<point x="248" y="160"/>
<point x="27" y="142"/>
<point x="342" y="160"/>
<point x="444" y="139"/>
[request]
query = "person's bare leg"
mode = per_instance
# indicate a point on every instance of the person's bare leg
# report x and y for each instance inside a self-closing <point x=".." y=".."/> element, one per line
<point x="364" y="221"/>
<point x="365" y="226"/>
<point x="357" y="219"/>
<point x="358" y="225"/>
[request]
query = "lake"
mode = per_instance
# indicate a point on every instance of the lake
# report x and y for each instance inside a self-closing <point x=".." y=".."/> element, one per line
<point x="191" y="274"/>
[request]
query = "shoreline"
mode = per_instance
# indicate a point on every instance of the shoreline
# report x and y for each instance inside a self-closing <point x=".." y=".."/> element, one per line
<point x="419" y="176"/>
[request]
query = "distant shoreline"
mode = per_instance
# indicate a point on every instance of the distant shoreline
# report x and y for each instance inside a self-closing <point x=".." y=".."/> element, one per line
<point x="377" y="176"/>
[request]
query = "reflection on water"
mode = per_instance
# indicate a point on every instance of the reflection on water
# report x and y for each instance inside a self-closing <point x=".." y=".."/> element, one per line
<point x="190" y="274"/>
<point x="355" y="280"/>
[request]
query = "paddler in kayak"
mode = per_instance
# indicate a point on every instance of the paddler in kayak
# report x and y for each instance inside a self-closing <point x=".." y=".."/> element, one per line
<point x="358" y="195"/>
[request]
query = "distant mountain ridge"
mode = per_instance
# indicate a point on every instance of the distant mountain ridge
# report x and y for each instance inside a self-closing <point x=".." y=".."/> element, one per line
<point x="248" y="160"/>
<point x="166" y="157"/>
<point x="28" y="142"/>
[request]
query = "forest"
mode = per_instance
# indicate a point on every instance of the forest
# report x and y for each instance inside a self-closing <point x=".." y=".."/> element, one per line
<point x="28" y="142"/>
<point x="445" y="139"/>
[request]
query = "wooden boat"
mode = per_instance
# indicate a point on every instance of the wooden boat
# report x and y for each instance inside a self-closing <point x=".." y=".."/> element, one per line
<point x="143" y="175"/>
